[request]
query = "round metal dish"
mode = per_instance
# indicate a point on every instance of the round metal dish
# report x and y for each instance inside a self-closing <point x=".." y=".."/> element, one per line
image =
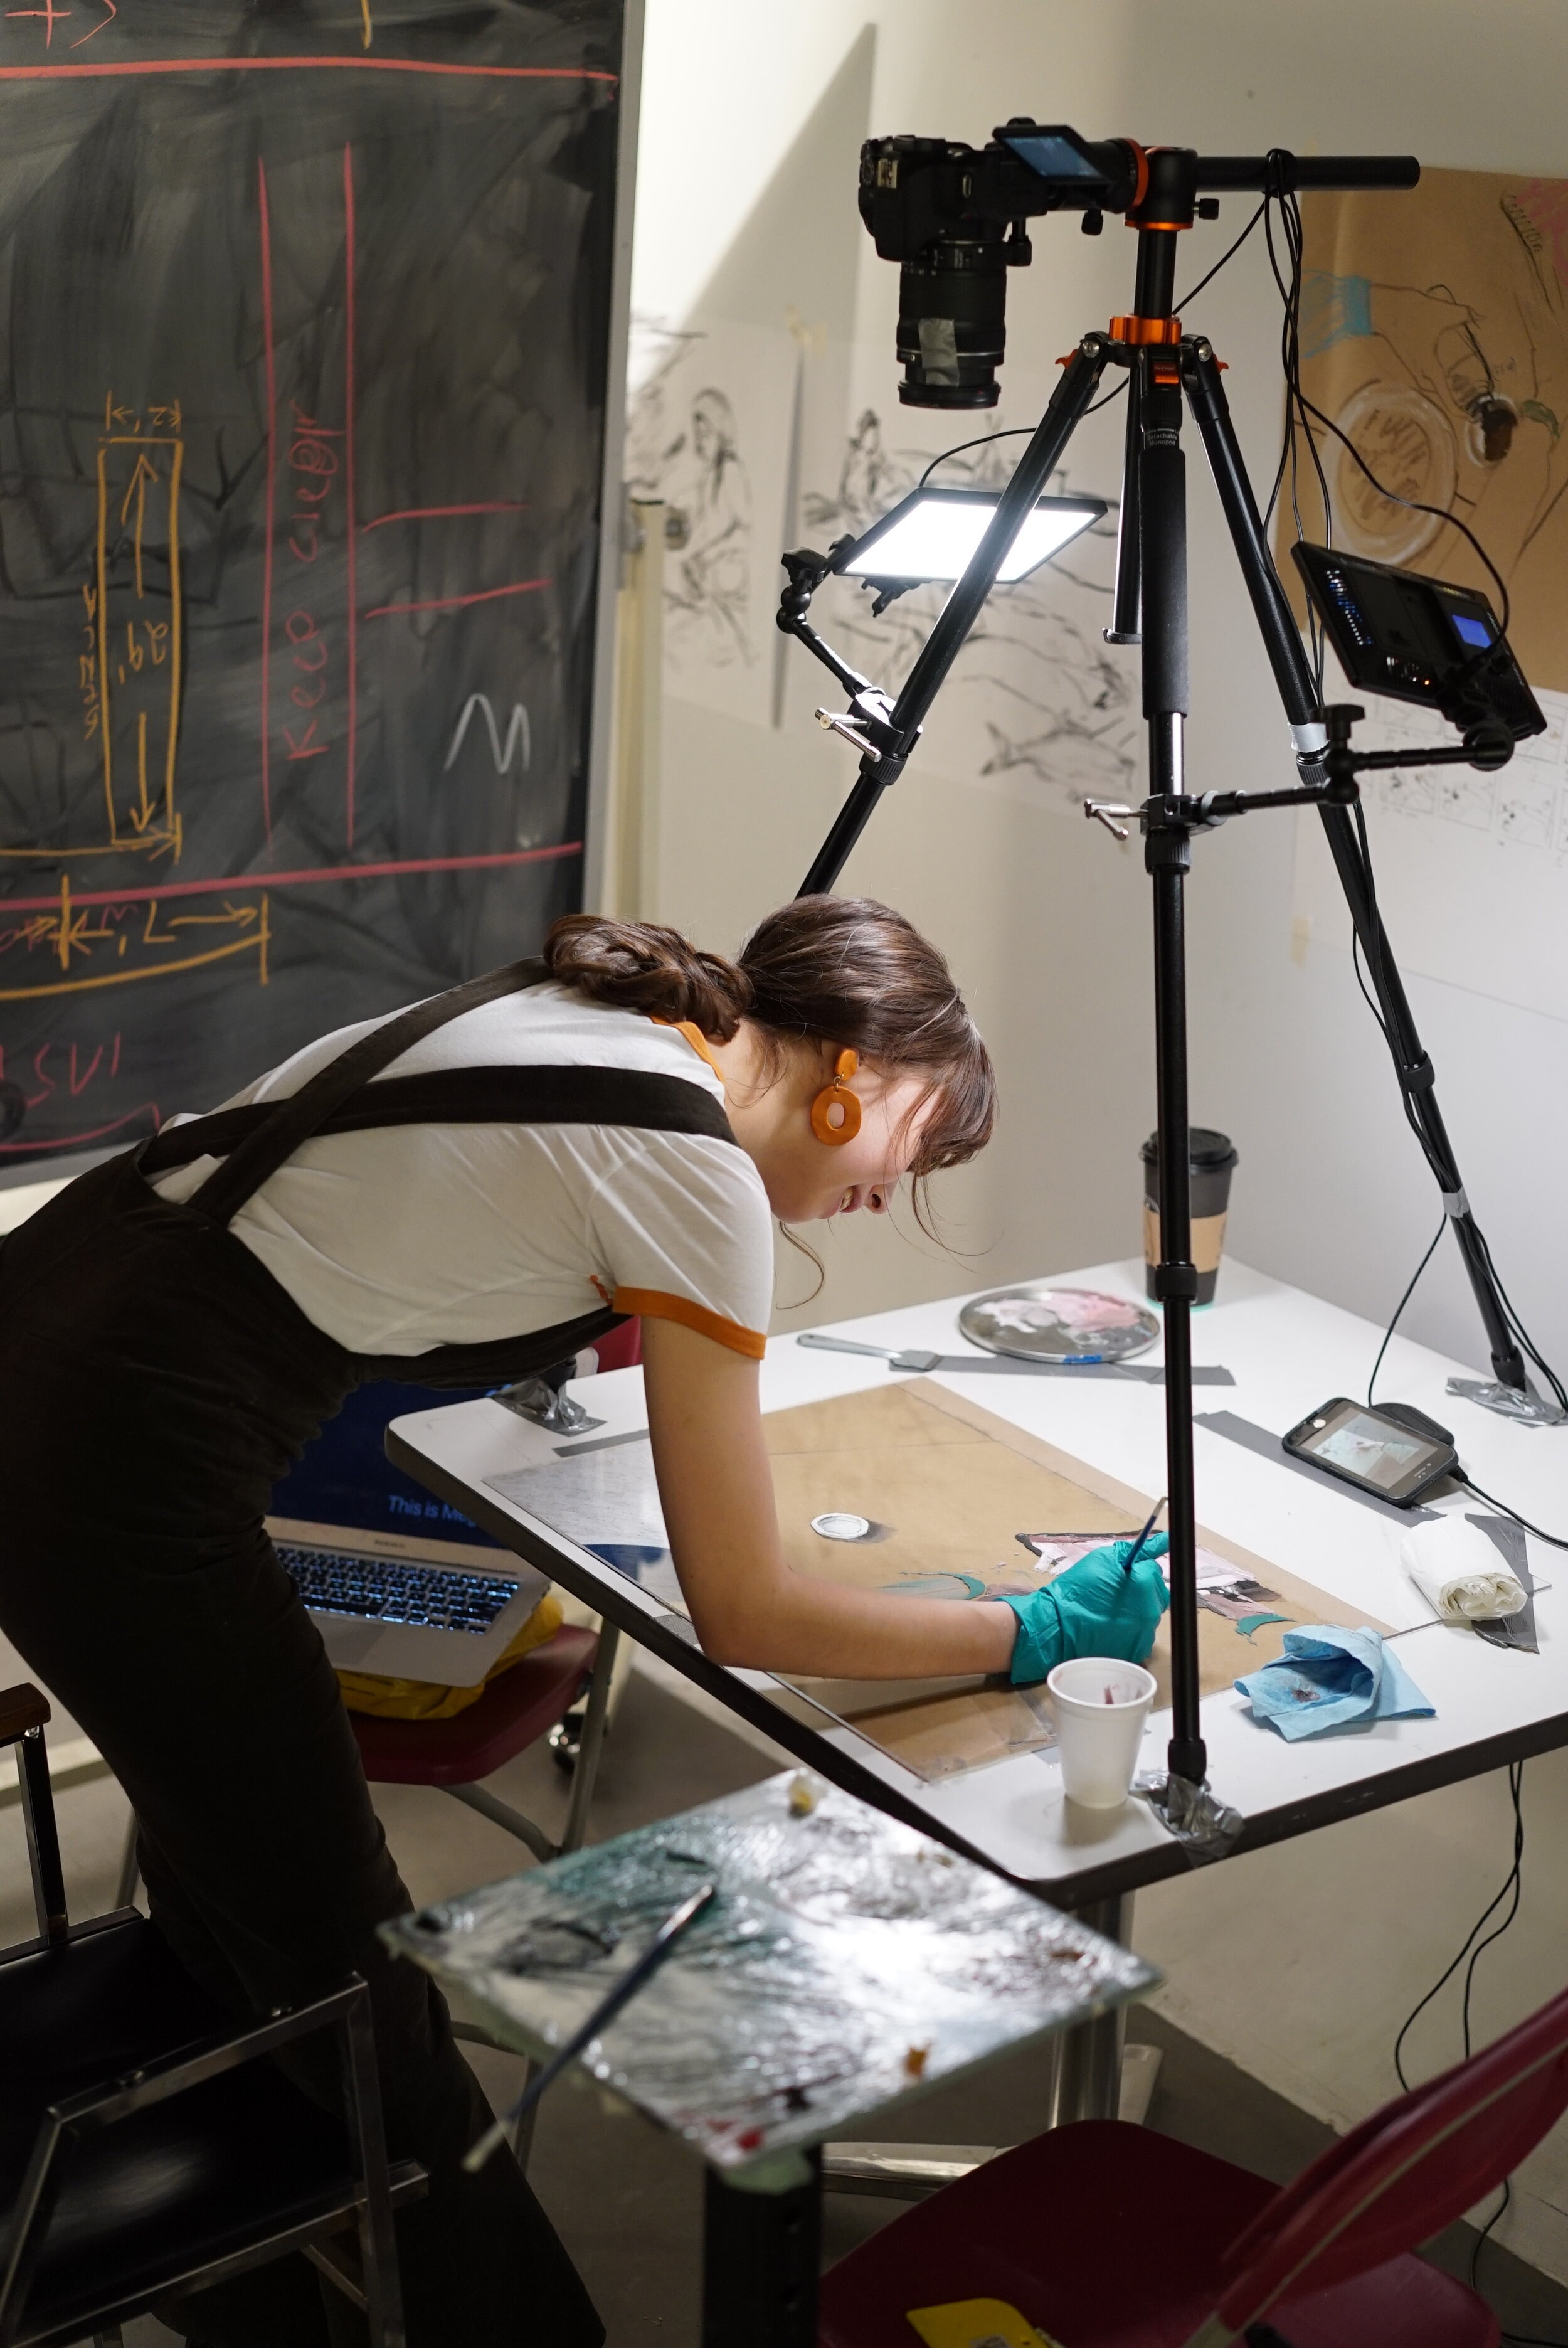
<point x="1037" y="1321"/>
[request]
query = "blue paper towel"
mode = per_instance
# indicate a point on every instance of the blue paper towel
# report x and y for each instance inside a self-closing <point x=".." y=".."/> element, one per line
<point x="1332" y="1678"/>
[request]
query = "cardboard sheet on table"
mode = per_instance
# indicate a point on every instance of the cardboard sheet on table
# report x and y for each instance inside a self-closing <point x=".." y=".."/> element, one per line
<point x="948" y="1488"/>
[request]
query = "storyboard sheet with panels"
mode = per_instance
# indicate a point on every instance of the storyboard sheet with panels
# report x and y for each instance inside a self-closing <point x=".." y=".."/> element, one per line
<point x="959" y="1505"/>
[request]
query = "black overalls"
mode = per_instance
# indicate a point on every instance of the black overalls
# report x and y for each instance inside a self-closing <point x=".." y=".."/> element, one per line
<point x="155" y="1383"/>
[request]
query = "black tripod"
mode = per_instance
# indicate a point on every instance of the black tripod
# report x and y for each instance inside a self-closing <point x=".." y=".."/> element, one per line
<point x="1150" y="608"/>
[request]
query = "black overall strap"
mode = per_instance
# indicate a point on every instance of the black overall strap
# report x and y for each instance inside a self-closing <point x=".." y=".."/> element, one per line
<point x="508" y="1095"/>
<point x="289" y="1122"/>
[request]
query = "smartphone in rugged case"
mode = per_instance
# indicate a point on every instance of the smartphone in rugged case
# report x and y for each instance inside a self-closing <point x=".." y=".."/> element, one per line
<point x="1389" y="1449"/>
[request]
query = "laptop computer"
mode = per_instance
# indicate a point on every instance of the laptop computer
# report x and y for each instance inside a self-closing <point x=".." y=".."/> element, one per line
<point x="396" y="1581"/>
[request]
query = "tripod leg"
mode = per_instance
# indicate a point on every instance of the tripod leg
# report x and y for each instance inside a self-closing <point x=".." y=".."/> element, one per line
<point x="1167" y="854"/>
<point x="1276" y="621"/>
<point x="1417" y="1080"/>
<point x="1297" y="691"/>
<point x="1079" y="381"/>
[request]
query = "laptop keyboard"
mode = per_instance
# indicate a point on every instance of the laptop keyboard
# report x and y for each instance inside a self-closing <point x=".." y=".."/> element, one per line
<point x="391" y="1590"/>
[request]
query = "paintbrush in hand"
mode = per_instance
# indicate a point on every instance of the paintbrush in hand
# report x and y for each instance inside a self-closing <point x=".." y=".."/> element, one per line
<point x="1137" y="1552"/>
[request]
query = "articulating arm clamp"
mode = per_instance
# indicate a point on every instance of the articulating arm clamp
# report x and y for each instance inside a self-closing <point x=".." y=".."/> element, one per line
<point x="865" y="726"/>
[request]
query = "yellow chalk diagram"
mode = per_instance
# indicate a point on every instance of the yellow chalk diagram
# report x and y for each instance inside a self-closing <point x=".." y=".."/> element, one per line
<point x="130" y="675"/>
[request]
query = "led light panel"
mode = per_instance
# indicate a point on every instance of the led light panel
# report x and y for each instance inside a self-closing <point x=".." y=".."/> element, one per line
<point x="932" y="534"/>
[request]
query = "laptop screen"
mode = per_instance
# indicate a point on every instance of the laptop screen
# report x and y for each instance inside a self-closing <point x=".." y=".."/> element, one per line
<point x="344" y="1478"/>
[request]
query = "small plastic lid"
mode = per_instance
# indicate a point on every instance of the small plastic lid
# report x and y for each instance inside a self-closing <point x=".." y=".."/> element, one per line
<point x="1205" y="1147"/>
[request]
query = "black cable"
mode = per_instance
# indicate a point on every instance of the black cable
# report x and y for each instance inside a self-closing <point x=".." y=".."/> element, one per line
<point x="1484" y="2236"/>
<point x="1553" y="1540"/>
<point x="1400" y="1306"/>
<point x="1298" y="404"/>
<point x="1109" y="397"/>
<point x="1188" y="298"/>
<point x="1510" y="1884"/>
<point x="1013" y="432"/>
<point x="1515" y="1781"/>
<point x="1367" y="997"/>
<point x="1415" y="505"/>
<point x="1515" y="1787"/>
<point x="1475" y="1948"/>
<point x="1293" y="236"/>
<point x="1527" y="1344"/>
<point x="1301" y="411"/>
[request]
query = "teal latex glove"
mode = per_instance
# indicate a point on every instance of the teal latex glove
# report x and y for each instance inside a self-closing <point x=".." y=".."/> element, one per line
<point x="1095" y="1608"/>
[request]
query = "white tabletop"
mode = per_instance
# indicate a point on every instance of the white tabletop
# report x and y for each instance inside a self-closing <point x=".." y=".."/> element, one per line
<point x="1287" y="1351"/>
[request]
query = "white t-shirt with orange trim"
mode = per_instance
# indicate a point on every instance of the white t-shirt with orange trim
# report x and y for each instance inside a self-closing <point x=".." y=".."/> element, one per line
<point x="396" y="1239"/>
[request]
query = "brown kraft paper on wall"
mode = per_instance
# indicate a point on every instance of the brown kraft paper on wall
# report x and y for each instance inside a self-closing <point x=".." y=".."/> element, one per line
<point x="1434" y="333"/>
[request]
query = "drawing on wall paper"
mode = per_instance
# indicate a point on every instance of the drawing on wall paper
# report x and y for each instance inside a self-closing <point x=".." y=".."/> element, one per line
<point x="708" y="431"/>
<point x="710" y="503"/>
<point x="1039" y="705"/>
<point x="1434" y="331"/>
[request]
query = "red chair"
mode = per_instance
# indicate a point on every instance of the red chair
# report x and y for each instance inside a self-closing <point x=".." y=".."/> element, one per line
<point x="1107" y="2236"/>
<point x="622" y="1349"/>
<point x="515" y="1711"/>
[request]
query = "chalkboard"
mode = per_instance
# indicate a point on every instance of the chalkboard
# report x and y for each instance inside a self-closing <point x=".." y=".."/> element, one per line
<point x="309" y="316"/>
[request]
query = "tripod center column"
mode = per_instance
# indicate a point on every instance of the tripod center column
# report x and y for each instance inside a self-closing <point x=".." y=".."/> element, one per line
<point x="1163" y="534"/>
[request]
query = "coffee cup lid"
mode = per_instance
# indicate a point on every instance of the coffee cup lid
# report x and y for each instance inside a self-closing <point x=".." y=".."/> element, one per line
<point x="1206" y="1147"/>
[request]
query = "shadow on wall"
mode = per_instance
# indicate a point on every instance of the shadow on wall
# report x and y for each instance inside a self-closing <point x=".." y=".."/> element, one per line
<point x="798" y="248"/>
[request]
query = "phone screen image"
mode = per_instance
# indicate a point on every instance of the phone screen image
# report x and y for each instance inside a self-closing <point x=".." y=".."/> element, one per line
<point x="1363" y="1446"/>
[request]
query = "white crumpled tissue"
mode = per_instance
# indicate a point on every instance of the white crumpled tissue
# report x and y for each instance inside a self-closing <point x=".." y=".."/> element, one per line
<point x="1460" y="1572"/>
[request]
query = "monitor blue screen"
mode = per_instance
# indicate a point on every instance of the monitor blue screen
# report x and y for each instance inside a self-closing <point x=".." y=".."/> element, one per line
<point x="344" y="1476"/>
<point x="1471" y="631"/>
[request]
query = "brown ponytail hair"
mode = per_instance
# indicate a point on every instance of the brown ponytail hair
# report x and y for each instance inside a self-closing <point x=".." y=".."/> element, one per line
<point x="822" y="969"/>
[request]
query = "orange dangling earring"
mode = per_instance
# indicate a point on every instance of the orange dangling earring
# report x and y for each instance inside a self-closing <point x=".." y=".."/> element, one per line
<point x="836" y="1129"/>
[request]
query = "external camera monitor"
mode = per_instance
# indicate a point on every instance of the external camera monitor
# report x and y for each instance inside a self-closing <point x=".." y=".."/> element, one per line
<point x="1418" y="639"/>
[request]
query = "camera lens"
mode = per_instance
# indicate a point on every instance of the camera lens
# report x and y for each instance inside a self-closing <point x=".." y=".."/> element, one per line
<point x="951" y="332"/>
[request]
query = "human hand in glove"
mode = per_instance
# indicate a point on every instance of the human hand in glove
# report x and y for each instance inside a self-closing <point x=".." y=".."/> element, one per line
<point x="1095" y="1608"/>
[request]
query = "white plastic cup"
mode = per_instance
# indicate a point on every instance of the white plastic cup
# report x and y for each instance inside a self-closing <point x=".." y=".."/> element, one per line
<point x="1100" y="1706"/>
